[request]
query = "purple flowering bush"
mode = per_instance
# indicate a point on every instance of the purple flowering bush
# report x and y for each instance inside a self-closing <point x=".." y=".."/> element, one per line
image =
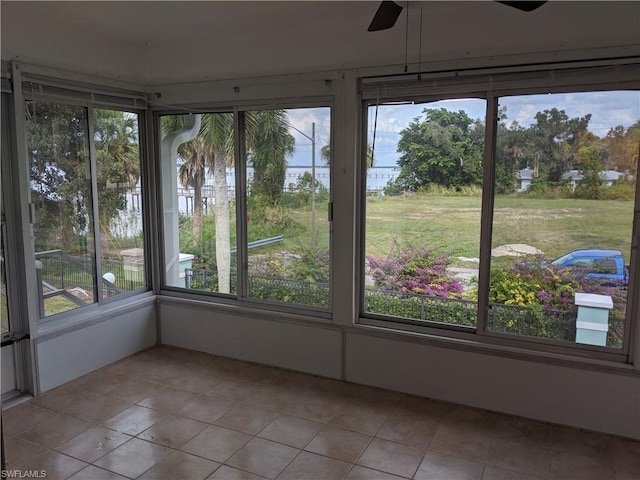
<point x="415" y="270"/>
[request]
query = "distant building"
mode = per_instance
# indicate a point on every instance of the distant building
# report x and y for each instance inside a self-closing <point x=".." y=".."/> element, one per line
<point x="523" y="178"/>
<point x="572" y="177"/>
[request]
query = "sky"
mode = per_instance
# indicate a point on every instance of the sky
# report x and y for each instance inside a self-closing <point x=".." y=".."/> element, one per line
<point x="608" y="109"/>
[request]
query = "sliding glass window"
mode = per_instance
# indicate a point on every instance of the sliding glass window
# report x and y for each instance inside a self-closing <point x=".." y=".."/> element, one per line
<point x="565" y="185"/>
<point x="423" y="177"/>
<point x="245" y="199"/>
<point x="510" y="218"/>
<point x="84" y="172"/>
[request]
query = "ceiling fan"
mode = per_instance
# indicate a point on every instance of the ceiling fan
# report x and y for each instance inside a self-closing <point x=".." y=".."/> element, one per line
<point x="389" y="11"/>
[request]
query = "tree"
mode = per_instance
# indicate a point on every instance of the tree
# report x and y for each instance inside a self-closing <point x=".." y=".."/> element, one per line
<point x="192" y="174"/>
<point x="513" y="152"/>
<point x="60" y="174"/>
<point x="271" y="143"/>
<point x="118" y="162"/>
<point x="216" y="135"/>
<point x="555" y="138"/>
<point x="622" y="148"/>
<point x="442" y="148"/>
<point x="590" y="159"/>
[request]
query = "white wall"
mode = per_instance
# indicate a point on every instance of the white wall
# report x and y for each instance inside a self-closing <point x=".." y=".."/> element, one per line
<point x="280" y="342"/>
<point x="64" y="357"/>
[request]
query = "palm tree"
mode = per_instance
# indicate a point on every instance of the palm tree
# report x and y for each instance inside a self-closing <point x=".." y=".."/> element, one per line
<point x="212" y="149"/>
<point x="217" y="137"/>
<point x="192" y="174"/>
<point x="271" y="143"/>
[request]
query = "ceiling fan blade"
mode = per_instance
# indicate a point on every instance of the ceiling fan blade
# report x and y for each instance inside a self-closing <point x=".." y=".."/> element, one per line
<point x="524" y="6"/>
<point x="385" y="17"/>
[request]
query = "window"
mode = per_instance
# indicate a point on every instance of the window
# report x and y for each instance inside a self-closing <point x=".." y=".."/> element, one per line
<point x="84" y="171"/>
<point x="510" y="217"/>
<point x="570" y="231"/>
<point x="246" y="198"/>
<point x="423" y="204"/>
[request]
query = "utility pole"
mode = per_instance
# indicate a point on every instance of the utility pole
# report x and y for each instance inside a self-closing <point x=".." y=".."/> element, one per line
<point x="314" y="240"/>
<point x="313" y="187"/>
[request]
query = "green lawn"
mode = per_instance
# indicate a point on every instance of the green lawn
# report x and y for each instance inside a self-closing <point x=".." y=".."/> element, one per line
<point x="453" y="223"/>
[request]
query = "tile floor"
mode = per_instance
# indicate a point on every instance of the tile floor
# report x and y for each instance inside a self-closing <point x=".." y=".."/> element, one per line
<point x="168" y="413"/>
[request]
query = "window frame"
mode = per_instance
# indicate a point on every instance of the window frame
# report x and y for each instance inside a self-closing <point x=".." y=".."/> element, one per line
<point x="241" y="298"/>
<point x="621" y="74"/>
<point x="38" y="87"/>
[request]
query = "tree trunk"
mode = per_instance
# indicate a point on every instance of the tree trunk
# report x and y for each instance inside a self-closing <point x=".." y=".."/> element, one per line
<point x="197" y="211"/>
<point x="223" y="236"/>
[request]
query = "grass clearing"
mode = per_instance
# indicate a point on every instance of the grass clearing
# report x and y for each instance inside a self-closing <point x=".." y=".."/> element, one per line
<point x="452" y="223"/>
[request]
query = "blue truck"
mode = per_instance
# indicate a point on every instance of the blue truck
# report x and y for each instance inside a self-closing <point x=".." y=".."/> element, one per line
<point x="608" y="265"/>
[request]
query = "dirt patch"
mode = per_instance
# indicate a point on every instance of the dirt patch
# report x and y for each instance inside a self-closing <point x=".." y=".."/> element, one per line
<point x="515" y="250"/>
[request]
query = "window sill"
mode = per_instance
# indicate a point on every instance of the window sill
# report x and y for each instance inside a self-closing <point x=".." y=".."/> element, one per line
<point x="91" y="315"/>
<point x="496" y="347"/>
<point x="253" y="310"/>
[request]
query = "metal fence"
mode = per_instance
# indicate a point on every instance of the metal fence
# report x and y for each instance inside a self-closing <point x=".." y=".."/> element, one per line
<point x="60" y="271"/>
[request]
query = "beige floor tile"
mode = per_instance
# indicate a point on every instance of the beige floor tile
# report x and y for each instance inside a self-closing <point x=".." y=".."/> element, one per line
<point x="206" y="408"/>
<point x="263" y="457"/>
<point x="196" y="382"/>
<point x="258" y="374"/>
<point x="93" y="444"/>
<point x="173" y="431"/>
<point x="378" y="395"/>
<point x="470" y="418"/>
<point x="414" y="406"/>
<point x="216" y="443"/>
<point x="229" y="473"/>
<point x="568" y="439"/>
<point x="227" y="367"/>
<point x="101" y="381"/>
<point x="23" y="417"/>
<point x="521" y="457"/>
<point x="20" y="452"/>
<point x="234" y="390"/>
<point x="528" y="432"/>
<point x="133" y="458"/>
<point x="308" y="466"/>
<point x="339" y="444"/>
<point x="57" y="399"/>
<point x="134" y="420"/>
<point x="436" y="466"/>
<point x="360" y="416"/>
<point x="332" y="385"/>
<point x="180" y="465"/>
<point x="55" y="431"/>
<point x="96" y="408"/>
<point x="164" y="372"/>
<point x="626" y="458"/>
<point x="318" y="408"/>
<point x="498" y="473"/>
<point x="55" y="465"/>
<point x="581" y="465"/>
<point x="273" y="398"/>
<point x="415" y="431"/>
<point x="92" y="472"/>
<point x="168" y="399"/>
<point x="133" y="390"/>
<point x="467" y="443"/>
<point x="391" y="457"/>
<point x="246" y="419"/>
<point x="362" y="473"/>
<point x="293" y="431"/>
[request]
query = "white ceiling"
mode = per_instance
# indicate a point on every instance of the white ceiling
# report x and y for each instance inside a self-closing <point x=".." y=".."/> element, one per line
<point x="168" y="42"/>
